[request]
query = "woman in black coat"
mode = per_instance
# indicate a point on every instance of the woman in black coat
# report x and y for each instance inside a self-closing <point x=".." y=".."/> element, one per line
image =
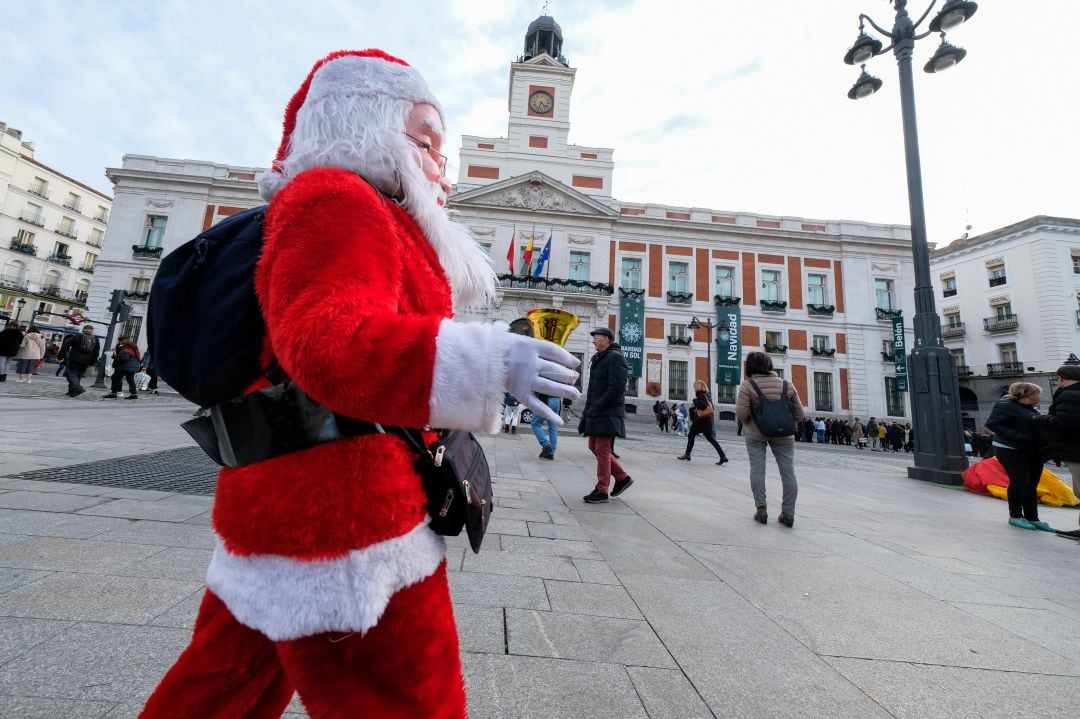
<point x="702" y="425"/>
<point x="10" y="341"/>
<point x="1017" y="445"/>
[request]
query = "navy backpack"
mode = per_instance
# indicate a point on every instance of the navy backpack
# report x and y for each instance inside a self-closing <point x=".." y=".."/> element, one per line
<point x="204" y="326"/>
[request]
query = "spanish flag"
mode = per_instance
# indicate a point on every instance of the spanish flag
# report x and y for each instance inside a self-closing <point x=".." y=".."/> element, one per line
<point x="527" y="258"/>
<point x="510" y="252"/>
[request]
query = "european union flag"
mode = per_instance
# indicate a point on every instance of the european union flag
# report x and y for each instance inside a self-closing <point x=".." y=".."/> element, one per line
<point x="544" y="254"/>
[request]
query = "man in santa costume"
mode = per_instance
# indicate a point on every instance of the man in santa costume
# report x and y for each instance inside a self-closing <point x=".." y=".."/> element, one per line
<point x="326" y="578"/>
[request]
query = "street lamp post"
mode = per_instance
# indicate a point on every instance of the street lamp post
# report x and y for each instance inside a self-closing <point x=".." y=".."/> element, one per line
<point x="935" y="396"/>
<point x="694" y="324"/>
<point x="21" y="302"/>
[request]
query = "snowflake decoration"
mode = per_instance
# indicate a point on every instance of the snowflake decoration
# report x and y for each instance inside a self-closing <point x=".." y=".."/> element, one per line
<point x="631" y="332"/>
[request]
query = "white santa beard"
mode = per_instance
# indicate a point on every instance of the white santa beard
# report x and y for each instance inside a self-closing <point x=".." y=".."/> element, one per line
<point x="467" y="267"/>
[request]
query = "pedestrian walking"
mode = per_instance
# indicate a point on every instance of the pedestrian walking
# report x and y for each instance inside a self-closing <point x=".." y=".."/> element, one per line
<point x="857" y="434"/>
<point x="511" y="413"/>
<point x="125" y="363"/>
<point x="761" y="386"/>
<point x="31" y="350"/>
<point x="1018" y="447"/>
<point x="702" y="423"/>
<point x="604" y="416"/>
<point x="872" y="434"/>
<point x="10" y="341"/>
<point x="1060" y="428"/>
<point x="549" y="438"/>
<point x="78" y="353"/>
<point x="665" y="415"/>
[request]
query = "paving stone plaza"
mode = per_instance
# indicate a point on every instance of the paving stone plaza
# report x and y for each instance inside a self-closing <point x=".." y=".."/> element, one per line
<point x="888" y="598"/>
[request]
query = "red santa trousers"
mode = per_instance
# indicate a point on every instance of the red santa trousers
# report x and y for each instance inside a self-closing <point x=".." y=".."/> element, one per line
<point x="405" y="667"/>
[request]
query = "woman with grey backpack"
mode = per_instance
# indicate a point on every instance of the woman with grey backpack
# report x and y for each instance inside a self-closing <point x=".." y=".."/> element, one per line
<point x="770" y="410"/>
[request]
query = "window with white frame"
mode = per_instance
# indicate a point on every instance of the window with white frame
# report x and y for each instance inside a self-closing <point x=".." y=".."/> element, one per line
<point x="140" y="284"/>
<point x="73" y="202"/>
<point x="102" y="214"/>
<point x="1007" y="351"/>
<point x="1076" y="262"/>
<point x="678" y="274"/>
<point x="24" y="238"/>
<point x="95" y="238"/>
<point x="952" y="320"/>
<point x="1003" y="310"/>
<point x="89" y="261"/>
<point x="821" y="342"/>
<point x="66" y="226"/>
<point x="39" y="187"/>
<point x="815" y="289"/>
<point x="51" y="281"/>
<point x="579" y="265"/>
<point x="823" y="394"/>
<point x="60" y="251"/>
<point x="774" y="338"/>
<point x="725" y="282"/>
<point x="770" y="285"/>
<point x="958" y="356"/>
<point x="678" y="330"/>
<point x="155" y="230"/>
<point x="32" y="213"/>
<point x="894" y="400"/>
<point x="948" y="287"/>
<point x="631" y="273"/>
<point x="632" y="386"/>
<point x="677" y="379"/>
<point x="888" y="348"/>
<point x="14" y="272"/>
<point x="883" y="294"/>
<point x="998" y="276"/>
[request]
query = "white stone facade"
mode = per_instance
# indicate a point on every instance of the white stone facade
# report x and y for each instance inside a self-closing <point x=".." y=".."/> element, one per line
<point x="52" y="230"/>
<point x="160" y="204"/>
<point x="1010" y="306"/>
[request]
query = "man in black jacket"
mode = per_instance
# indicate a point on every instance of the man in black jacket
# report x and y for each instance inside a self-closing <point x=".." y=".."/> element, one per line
<point x="1060" y="427"/>
<point x="77" y="353"/>
<point x="603" y="418"/>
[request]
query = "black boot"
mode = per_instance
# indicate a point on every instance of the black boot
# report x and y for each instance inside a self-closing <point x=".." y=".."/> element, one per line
<point x="3" y="378"/>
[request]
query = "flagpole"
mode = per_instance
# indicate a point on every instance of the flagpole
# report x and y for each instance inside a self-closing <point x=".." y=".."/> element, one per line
<point x="547" y="270"/>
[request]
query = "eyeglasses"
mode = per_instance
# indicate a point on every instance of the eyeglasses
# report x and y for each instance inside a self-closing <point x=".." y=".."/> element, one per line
<point x="437" y="157"/>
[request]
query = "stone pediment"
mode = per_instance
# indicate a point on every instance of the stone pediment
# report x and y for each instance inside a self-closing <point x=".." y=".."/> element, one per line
<point x="533" y="191"/>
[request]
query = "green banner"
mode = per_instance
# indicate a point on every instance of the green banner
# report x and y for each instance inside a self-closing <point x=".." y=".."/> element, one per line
<point x="632" y="328"/>
<point x="728" y="344"/>
<point x="899" y="353"/>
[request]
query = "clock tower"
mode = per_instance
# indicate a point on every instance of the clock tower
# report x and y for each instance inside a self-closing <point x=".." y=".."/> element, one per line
<point x="541" y="82"/>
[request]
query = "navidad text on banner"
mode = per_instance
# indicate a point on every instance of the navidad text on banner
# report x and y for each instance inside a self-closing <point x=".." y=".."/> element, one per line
<point x="728" y="344"/>
<point x="632" y="328"/>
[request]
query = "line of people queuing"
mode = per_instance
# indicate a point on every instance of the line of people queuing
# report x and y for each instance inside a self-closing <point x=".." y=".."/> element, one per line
<point x="672" y="417"/>
<point x="876" y="435"/>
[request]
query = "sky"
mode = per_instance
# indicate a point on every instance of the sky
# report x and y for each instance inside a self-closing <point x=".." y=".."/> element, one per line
<point x="735" y="106"/>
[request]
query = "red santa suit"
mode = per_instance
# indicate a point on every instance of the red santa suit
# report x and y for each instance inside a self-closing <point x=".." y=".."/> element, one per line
<point x="326" y="578"/>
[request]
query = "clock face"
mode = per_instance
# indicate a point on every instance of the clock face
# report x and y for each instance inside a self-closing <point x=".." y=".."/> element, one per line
<point x="541" y="102"/>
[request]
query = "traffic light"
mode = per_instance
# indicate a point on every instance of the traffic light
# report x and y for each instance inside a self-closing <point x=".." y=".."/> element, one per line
<point x="125" y="312"/>
<point x="117" y="301"/>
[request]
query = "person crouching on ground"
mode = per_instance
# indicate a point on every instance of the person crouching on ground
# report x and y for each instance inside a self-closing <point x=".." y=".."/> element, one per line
<point x="1017" y="446"/>
<point x="126" y="360"/>
<point x="701" y="410"/>
<point x="604" y="416"/>
<point x="759" y="371"/>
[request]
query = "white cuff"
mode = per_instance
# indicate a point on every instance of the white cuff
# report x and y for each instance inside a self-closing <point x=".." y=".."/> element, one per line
<point x="470" y="376"/>
<point x="286" y="598"/>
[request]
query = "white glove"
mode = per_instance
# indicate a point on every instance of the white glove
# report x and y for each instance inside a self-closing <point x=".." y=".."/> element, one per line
<point x="534" y="365"/>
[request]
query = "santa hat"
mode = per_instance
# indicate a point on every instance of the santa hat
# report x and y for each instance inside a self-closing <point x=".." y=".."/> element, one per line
<point x="360" y="73"/>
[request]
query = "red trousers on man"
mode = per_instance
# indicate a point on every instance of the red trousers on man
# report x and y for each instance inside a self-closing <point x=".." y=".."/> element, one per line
<point x="405" y="667"/>
<point x="606" y="465"/>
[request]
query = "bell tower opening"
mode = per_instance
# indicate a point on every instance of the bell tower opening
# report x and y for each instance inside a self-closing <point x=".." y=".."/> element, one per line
<point x="544" y="36"/>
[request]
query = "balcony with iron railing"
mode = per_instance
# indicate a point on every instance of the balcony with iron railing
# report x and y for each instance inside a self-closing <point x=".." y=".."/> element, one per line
<point x="553" y="284"/>
<point x="145" y="253"/>
<point x="775" y="349"/>
<point x="102" y="217"/>
<point x="34" y="218"/>
<point x="778" y="306"/>
<point x="1004" y="369"/>
<point x="42" y="192"/>
<point x="64" y="260"/>
<point x="89" y="269"/>
<point x="54" y="292"/>
<point x="136" y="295"/>
<point x="823" y="351"/>
<point x="815" y="310"/>
<point x="1001" y="323"/>
<point x="81" y="296"/>
<point x="9" y="282"/>
<point x="952" y="329"/>
<point x="726" y="301"/>
<point x="27" y="248"/>
<point x="93" y="242"/>
<point x="683" y="340"/>
<point x="67" y="232"/>
<point x="884" y="315"/>
<point x="888" y="357"/>
<point x="963" y="370"/>
<point x="949" y="292"/>
<point x="679" y="298"/>
<point x="75" y="206"/>
<point x="998" y="281"/>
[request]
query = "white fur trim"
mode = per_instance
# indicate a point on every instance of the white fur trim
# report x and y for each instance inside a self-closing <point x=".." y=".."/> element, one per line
<point x="470" y="376"/>
<point x="286" y="598"/>
<point x="356" y="75"/>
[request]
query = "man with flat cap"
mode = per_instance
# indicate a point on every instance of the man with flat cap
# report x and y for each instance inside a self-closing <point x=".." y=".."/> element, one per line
<point x="604" y="416"/>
